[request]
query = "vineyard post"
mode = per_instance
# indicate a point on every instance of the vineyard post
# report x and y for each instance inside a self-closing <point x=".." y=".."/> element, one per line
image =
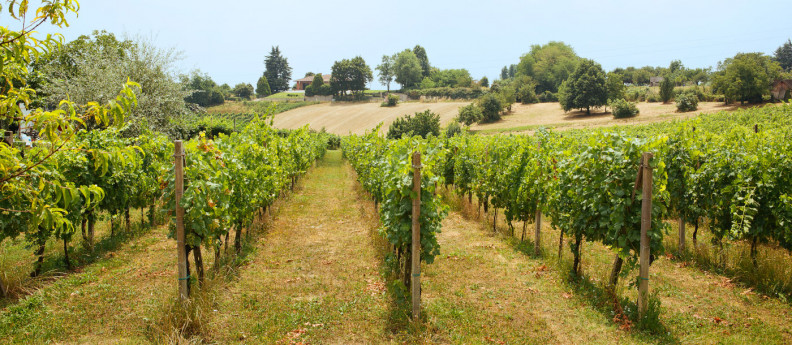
<point x="538" y="232"/>
<point x="646" y="223"/>
<point x="681" y="234"/>
<point x="415" y="285"/>
<point x="180" y="248"/>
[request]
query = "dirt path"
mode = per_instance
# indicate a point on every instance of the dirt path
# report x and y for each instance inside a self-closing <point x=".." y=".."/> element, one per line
<point x="315" y="275"/>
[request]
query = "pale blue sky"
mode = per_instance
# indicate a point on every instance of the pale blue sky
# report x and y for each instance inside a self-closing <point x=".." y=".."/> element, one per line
<point x="229" y="39"/>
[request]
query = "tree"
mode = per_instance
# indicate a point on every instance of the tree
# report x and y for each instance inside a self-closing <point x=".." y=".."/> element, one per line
<point x="504" y="73"/>
<point x="309" y="74"/>
<point x="262" y="87"/>
<point x="783" y="55"/>
<point x="420" y="53"/>
<point x="277" y="70"/>
<point x="243" y="90"/>
<point x="615" y="84"/>
<point x="470" y="114"/>
<point x="666" y="89"/>
<point x="549" y="65"/>
<point x="423" y="123"/>
<point x="385" y="70"/>
<point x="484" y="82"/>
<point x="316" y="86"/>
<point x="202" y="90"/>
<point x="585" y="88"/>
<point x="350" y="75"/>
<point x="407" y="69"/>
<point x="96" y="67"/>
<point x="491" y="107"/>
<point x="746" y="77"/>
<point x="452" y="78"/>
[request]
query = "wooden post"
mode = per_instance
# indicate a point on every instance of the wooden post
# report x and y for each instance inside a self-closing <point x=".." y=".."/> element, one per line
<point x="646" y="224"/>
<point x="681" y="234"/>
<point x="415" y="285"/>
<point x="180" y="248"/>
<point x="538" y="231"/>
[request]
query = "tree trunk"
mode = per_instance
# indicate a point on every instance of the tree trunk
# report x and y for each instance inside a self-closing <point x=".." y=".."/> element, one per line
<point x="142" y="217"/>
<point x="40" y="254"/>
<point x="238" y="239"/>
<point x="753" y="253"/>
<point x="198" y="257"/>
<point x="187" y="250"/>
<point x="83" y="222"/>
<point x="2" y="289"/>
<point x="152" y="215"/>
<point x="225" y="243"/>
<point x="495" y="220"/>
<point x="66" y="254"/>
<point x="486" y="203"/>
<point x="695" y="231"/>
<point x="470" y="197"/>
<point x="576" y="253"/>
<point x="560" y="245"/>
<point x="407" y="268"/>
<point x="217" y="248"/>
<point x="91" y="227"/>
<point x="617" y="266"/>
<point x="525" y="226"/>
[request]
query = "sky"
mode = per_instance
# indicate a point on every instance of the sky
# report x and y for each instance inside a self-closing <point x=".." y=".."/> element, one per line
<point x="229" y="39"/>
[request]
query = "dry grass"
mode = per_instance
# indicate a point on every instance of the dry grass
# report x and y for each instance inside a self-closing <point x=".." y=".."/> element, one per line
<point x="357" y="118"/>
<point x="526" y="117"/>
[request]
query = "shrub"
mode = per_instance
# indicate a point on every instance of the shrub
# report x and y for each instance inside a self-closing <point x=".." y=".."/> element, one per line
<point x="526" y="94"/>
<point x="623" y="109"/>
<point x="470" y="114"/>
<point x="391" y="101"/>
<point x="448" y="92"/>
<point x="666" y="90"/>
<point x="653" y="98"/>
<point x="423" y="124"/>
<point x="687" y="101"/>
<point x="547" y="96"/>
<point x="309" y="91"/>
<point x="453" y="129"/>
<point x="491" y="107"/>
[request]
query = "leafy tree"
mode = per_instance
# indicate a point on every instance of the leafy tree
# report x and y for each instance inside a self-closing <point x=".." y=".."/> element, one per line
<point x="317" y="82"/>
<point x="512" y="70"/>
<point x="585" y="88"/>
<point x="202" y="90"/>
<point x="687" y="101"/>
<point x="262" y="87"/>
<point x="350" y="75"/>
<point x="745" y="77"/>
<point x="484" y="82"/>
<point x="385" y="70"/>
<point x="424" y="124"/>
<point x="622" y="109"/>
<point x="526" y="94"/>
<point x="96" y="67"/>
<point x="491" y="107"/>
<point x="420" y="53"/>
<point x="277" y="70"/>
<point x="666" y="89"/>
<point x="615" y="83"/>
<point x="243" y="90"/>
<point x="427" y="83"/>
<point x="407" y="69"/>
<point x="504" y="73"/>
<point x="783" y="55"/>
<point x="452" y="78"/>
<point x="309" y="74"/>
<point x="549" y="65"/>
<point x="470" y="114"/>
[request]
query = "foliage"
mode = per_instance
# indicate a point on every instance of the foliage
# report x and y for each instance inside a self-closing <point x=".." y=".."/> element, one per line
<point x="470" y="114"/>
<point x="585" y="88"/>
<point x="420" y="53"/>
<point x="615" y="85"/>
<point x="95" y="68"/>
<point x="453" y="129"/>
<point x="549" y="65"/>
<point x="407" y="69"/>
<point x="666" y="90"/>
<point x="243" y="90"/>
<point x="484" y="82"/>
<point x="448" y="92"/>
<point x="386" y="71"/>
<point x="451" y="78"/>
<point x="491" y="107"/>
<point x="391" y="101"/>
<point x="277" y="70"/>
<point x="427" y="83"/>
<point x="783" y="55"/>
<point x="262" y="87"/>
<point x="202" y="89"/>
<point x="422" y="124"/>
<point x="746" y="77"/>
<point x="526" y="94"/>
<point x="622" y="108"/>
<point x="350" y="75"/>
<point x="686" y="101"/>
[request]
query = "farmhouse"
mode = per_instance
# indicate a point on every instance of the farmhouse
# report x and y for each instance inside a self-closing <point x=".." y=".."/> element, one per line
<point x="655" y="81"/>
<point x="304" y="82"/>
<point x="781" y="89"/>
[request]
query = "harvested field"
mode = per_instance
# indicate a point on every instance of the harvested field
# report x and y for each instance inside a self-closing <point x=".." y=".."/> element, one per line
<point x="357" y="118"/>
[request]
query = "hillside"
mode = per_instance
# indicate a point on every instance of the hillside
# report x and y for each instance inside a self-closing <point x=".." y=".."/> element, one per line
<point x="357" y="118"/>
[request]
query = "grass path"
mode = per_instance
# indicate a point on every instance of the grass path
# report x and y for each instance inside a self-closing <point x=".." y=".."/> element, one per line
<point x="315" y="275"/>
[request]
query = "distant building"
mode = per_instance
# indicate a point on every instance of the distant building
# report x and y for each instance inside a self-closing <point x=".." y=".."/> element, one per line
<point x="655" y="81"/>
<point x="304" y="82"/>
<point x="781" y="89"/>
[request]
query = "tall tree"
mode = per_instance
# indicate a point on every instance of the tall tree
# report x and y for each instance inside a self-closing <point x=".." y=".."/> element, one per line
<point x="386" y="71"/>
<point x="666" y="89"/>
<point x="504" y="73"/>
<point x="549" y="65"/>
<point x="243" y="90"/>
<point x="407" y="69"/>
<point x="746" y="77"/>
<point x="783" y="55"/>
<point x="484" y="82"/>
<point x="350" y="75"/>
<point x="277" y="70"/>
<point x="615" y="83"/>
<point x="585" y="88"/>
<point x="420" y="53"/>
<point x="262" y="87"/>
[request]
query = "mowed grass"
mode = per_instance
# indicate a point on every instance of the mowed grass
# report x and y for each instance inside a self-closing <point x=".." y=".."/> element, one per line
<point x="696" y="306"/>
